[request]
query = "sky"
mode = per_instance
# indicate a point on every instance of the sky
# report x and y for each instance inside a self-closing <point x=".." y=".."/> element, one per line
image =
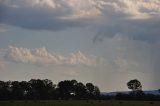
<point x="106" y="42"/>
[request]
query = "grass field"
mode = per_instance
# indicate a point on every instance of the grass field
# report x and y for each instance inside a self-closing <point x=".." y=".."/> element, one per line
<point x="80" y="103"/>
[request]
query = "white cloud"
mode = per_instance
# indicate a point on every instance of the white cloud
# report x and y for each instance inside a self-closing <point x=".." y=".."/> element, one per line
<point x="136" y="9"/>
<point x="61" y="14"/>
<point x="42" y="3"/>
<point x="76" y="8"/>
<point x="41" y="56"/>
<point x="84" y="8"/>
<point x="90" y="8"/>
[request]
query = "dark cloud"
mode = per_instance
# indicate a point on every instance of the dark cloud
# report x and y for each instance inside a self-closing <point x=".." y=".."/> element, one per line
<point x="141" y="22"/>
<point x="146" y="30"/>
<point x="138" y="20"/>
<point x="34" y="18"/>
<point x="45" y="15"/>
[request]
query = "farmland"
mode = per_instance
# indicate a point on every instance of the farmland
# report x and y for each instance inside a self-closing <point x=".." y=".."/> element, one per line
<point x="79" y="103"/>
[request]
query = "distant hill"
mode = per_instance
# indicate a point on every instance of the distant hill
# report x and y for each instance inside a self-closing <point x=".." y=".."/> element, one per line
<point x="155" y="92"/>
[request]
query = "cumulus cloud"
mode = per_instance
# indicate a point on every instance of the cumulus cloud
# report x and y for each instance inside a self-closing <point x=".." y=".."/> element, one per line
<point x="40" y="56"/>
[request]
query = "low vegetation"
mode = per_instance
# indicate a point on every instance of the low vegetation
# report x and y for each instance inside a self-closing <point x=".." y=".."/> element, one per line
<point x="80" y="103"/>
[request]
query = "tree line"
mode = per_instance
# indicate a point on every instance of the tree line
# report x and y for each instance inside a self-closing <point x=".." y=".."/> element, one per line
<point x="37" y="89"/>
<point x="136" y="93"/>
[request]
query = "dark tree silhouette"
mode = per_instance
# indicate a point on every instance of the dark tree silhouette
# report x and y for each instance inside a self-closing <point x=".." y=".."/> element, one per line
<point x="134" y="85"/>
<point x="136" y="88"/>
<point x="40" y="88"/>
<point x="17" y="90"/>
<point x="66" y="88"/>
<point x="96" y="91"/>
<point x="93" y="91"/>
<point x="80" y="91"/>
<point x="5" y="90"/>
<point x="90" y="90"/>
<point x="37" y="89"/>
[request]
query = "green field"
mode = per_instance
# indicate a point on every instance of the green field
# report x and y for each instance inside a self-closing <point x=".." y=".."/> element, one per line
<point x="79" y="103"/>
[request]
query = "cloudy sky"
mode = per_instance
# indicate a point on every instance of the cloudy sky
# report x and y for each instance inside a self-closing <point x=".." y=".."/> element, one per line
<point x="106" y="42"/>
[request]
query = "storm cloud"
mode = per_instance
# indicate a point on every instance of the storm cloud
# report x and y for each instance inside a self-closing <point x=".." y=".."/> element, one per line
<point x="48" y="14"/>
<point x="137" y="19"/>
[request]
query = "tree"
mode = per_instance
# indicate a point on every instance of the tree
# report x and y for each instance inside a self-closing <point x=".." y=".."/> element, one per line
<point x="5" y="91"/>
<point x="136" y="88"/>
<point x="90" y="87"/>
<point x="134" y="85"/>
<point x="93" y="91"/>
<point x="96" y="91"/>
<point x="66" y="88"/>
<point x="17" y="90"/>
<point x="80" y="91"/>
<point x="41" y="89"/>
